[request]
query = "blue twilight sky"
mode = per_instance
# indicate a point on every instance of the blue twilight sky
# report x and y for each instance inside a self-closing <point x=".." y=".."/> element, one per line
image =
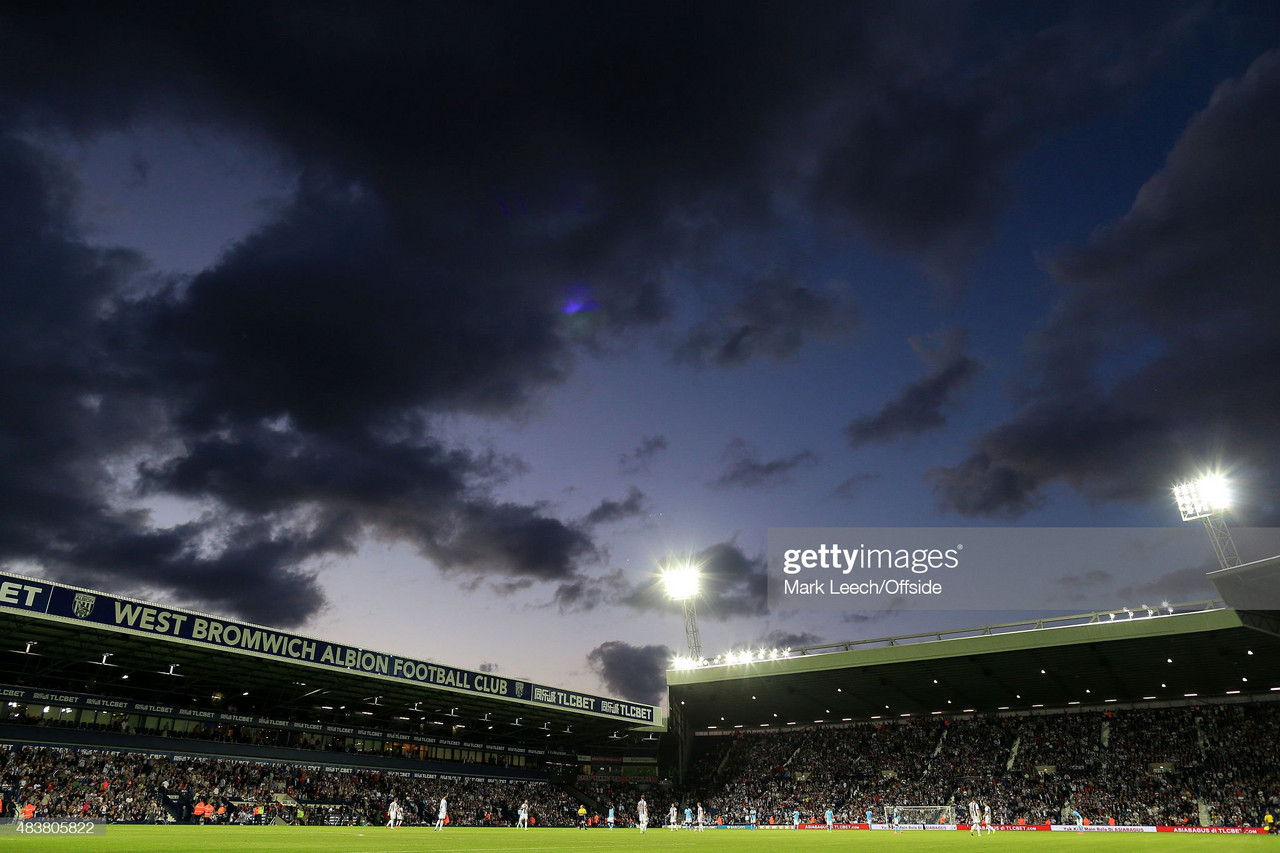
<point x="437" y="327"/>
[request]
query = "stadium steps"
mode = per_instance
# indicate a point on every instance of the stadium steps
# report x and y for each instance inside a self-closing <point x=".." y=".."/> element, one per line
<point x="580" y="796"/>
<point x="1013" y="754"/>
<point x="1205" y="817"/>
<point x="169" y="802"/>
<point x="724" y="761"/>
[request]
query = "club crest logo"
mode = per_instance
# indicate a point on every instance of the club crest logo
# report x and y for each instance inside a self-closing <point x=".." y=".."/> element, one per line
<point x="82" y="606"/>
<point x="519" y="689"/>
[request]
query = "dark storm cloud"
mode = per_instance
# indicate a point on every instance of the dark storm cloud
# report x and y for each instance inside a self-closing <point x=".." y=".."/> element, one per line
<point x="1161" y="357"/>
<point x="140" y="171"/>
<point x="322" y="317"/>
<point x="510" y="538"/>
<point x="920" y="406"/>
<point x="923" y="160"/>
<point x="1077" y="588"/>
<point x="218" y="408"/>
<point x="870" y="617"/>
<point x="414" y="490"/>
<point x="71" y="411"/>
<point x="609" y="511"/>
<point x="745" y="470"/>
<point x="637" y="461"/>
<point x="637" y="673"/>
<point x="582" y="594"/>
<point x="1175" y="587"/>
<point x="299" y="424"/>
<point x="599" y="135"/>
<point x="851" y="488"/>
<point x="773" y="319"/>
<point x="778" y="639"/>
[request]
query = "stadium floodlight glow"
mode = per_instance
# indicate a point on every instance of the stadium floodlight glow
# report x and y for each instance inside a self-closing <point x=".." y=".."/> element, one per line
<point x="682" y="581"/>
<point x="1208" y="499"/>
<point x="1204" y="497"/>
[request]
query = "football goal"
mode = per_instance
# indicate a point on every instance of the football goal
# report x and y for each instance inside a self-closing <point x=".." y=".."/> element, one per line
<point x="921" y="814"/>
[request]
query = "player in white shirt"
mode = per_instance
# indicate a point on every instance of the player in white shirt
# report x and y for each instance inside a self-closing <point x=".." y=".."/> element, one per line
<point x="975" y="818"/>
<point x="673" y="822"/>
<point x="642" y="815"/>
<point x="444" y="812"/>
<point x="523" y="821"/>
<point x="700" y="825"/>
<point x="986" y="818"/>
<point x="393" y="813"/>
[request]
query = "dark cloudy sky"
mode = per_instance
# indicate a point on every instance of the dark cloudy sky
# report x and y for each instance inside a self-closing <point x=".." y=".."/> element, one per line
<point x="434" y="327"/>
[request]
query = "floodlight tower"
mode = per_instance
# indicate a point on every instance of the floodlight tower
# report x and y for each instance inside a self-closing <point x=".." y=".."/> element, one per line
<point x="1208" y="500"/>
<point x="681" y="582"/>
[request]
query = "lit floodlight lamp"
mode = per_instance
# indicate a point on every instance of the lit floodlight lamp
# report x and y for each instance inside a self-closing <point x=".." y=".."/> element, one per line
<point x="682" y="582"/>
<point x="1208" y="500"/>
<point x="1207" y="496"/>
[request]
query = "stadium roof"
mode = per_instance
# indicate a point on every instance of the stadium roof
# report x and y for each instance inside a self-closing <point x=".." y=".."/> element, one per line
<point x="62" y="638"/>
<point x="1216" y="653"/>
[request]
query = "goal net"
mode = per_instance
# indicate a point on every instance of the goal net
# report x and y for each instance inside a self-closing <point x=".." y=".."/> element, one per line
<point x="921" y="814"/>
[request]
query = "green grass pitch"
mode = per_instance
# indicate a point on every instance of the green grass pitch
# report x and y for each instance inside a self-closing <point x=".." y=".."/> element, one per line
<point x="373" y="839"/>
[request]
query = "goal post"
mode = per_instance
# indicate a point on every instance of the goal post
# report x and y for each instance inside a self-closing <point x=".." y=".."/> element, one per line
<point x="931" y="815"/>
